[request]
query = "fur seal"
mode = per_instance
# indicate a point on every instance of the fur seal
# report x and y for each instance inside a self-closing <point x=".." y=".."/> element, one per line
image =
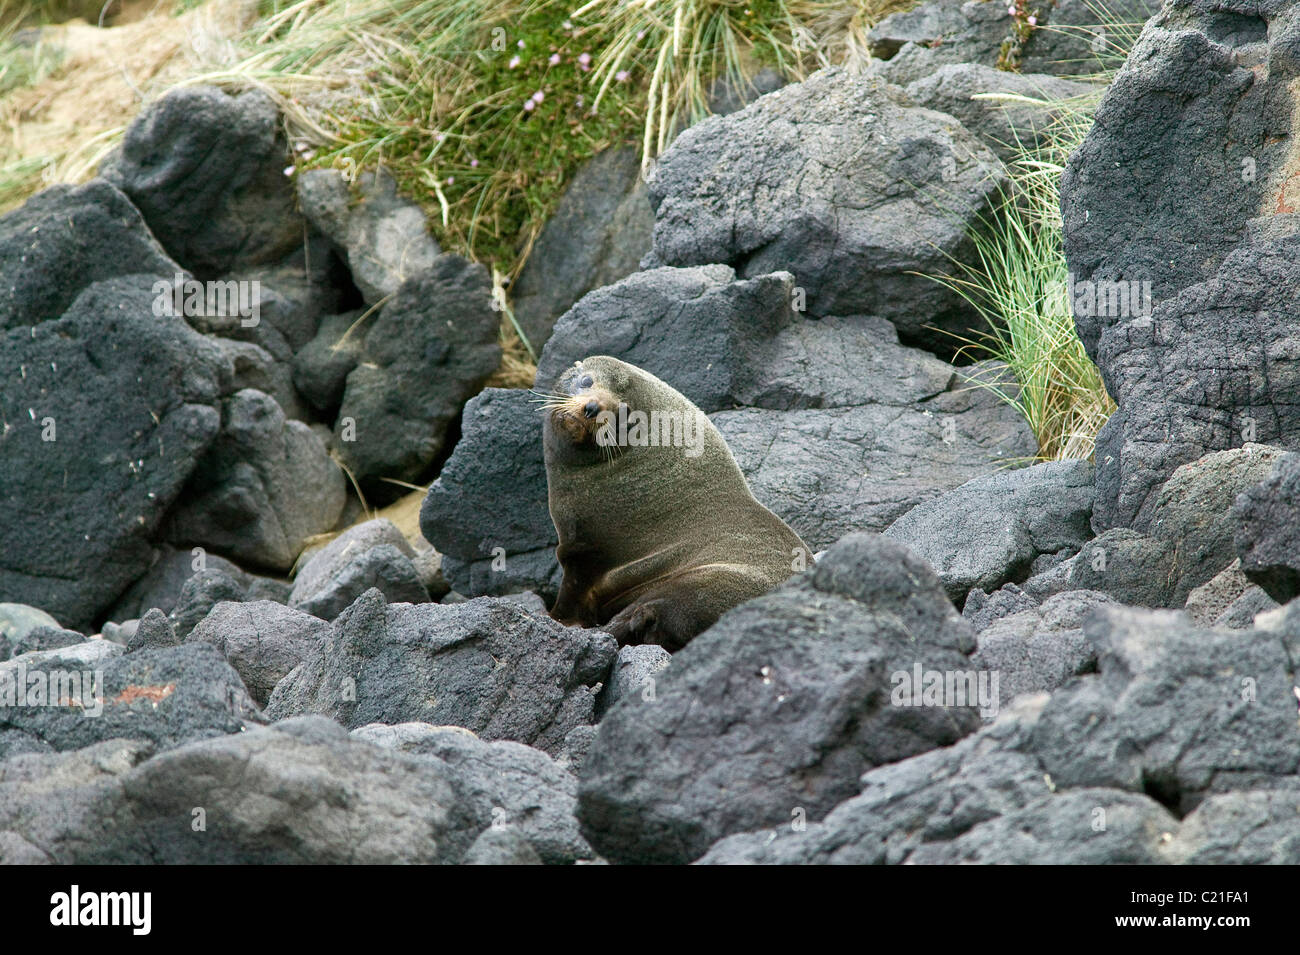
<point x="659" y="533"/>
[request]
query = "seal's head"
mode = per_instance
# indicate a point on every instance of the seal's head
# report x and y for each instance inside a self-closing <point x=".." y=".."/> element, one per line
<point x="585" y="390"/>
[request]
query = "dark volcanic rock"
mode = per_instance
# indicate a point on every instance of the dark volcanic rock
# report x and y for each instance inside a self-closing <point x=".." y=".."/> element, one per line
<point x="265" y="486"/>
<point x="67" y="238"/>
<point x="169" y="696"/>
<point x="371" y="554"/>
<point x="262" y="640"/>
<point x="777" y="708"/>
<point x="431" y="348"/>
<point x="207" y="171"/>
<point x="108" y="409"/>
<point x="601" y="228"/>
<point x="491" y="494"/>
<point x="989" y="531"/>
<point x="840" y="182"/>
<point x="829" y="472"/>
<point x="1267" y="531"/>
<point x="1205" y="359"/>
<point x="487" y="665"/>
<point x="529" y="793"/>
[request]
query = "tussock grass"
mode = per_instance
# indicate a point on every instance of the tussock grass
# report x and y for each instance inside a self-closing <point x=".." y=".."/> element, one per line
<point x="1019" y="285"/>
<point x="1020" y="282"/>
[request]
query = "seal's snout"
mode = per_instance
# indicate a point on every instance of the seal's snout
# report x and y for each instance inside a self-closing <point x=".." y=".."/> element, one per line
<point x="591" y="409"/>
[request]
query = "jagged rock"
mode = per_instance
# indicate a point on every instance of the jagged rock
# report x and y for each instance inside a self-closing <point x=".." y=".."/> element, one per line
<point x="598" y="233"/>
<point x="491" y="494"/>
<point x="206" y="170"/>
<point x="153" y="632"/>
<point x="1042" y="648"/>
<point x="1081" y="827"/>
<point x="199" y="594"/>
<point x="777" y="708"/>
<point x="431" y="347"/>
<point x="1267" y="530"/>
<point x="169" y="696"/>
<point x="829" y="472"/>
<point x="1206" y="603"/>
<point x="265" y="486"/>
<point x="988" y="531"/>
<point x="1199" y="358"/>
<point x="724" y="342"/>
<point x="371" y="554"/>
<point x="634" y="673"/>
<point x="530" y="794"/>
<point x="836" y="180"/>
<point x="981" y="609"/>
<point x="109" y="410"/>
<point x="487" y="665"/>
<point x="262" y="640"/>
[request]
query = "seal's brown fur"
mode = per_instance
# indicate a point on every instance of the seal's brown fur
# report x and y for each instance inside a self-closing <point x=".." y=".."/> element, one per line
<point x="655" y="543"/>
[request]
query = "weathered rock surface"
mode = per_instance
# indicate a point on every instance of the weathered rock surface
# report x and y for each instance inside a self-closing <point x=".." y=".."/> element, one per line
<point x="989" y="531"/>
<point x="109" y="409"/>
<point x="265" y="486"/>
<point x="840" y="182"/>
<point x="487" y="665"/>
<point x="777" y="708"/>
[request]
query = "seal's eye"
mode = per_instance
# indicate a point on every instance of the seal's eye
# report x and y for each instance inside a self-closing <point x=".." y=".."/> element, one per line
<point x="585" y="382"/>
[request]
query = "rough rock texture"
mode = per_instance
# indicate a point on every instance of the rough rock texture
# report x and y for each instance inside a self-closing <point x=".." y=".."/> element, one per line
<point x="1004" y="126"/>
<point x="1071" y="38"/>
<point x="265" y="486"/>
<point x="528" y="791"/>
<point x="161" y="585"/>
<point x="1205" y="360"/>
<point x="837" y="181"/>
<point x="67" y="238"/>
<point x="383" y="236"/>
<point x="371" y="554"/>
<point x="778" y="707"/>
<point x="989" y="531"/>
<point x="1267" y="530"/>
<point x="491" y="494"/>
<point x="108" y="411"/>
<point x="154" y="632"/>
<point x="634" y="673"/>
<point x="169" y="696"/>
<point x="207" y="172"/>
<point x="295" y="793"/>
<point x="598" y="233"/>
<point x="430" y="348"/>
<point x="1041" y="648"/>
<point x="262" y="640"/>
<point x="487" y="665"/>
<point x="1189" y="537"/>
<point x="1197" y="722"/>
<point x="724" y="342"/>
<point x="829" y="472"/>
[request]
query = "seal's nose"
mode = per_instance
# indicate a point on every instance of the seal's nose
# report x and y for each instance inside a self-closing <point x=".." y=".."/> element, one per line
<point x="592" y="409"/>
